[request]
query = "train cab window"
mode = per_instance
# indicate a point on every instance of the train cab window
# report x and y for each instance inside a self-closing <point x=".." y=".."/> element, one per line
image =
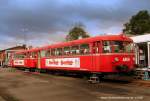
<point x="43" y="53"/>
<point x="66" y="50"/>
<point x="84" y="49"/>
<point x="107" y="47"/>
<point x="122" y="47"/>
<point x="129" y="47"/>
<point x="118" y="46"/>
<point x="75" y="49"/>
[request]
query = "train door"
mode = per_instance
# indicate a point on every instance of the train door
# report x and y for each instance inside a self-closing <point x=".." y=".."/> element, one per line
<point x="34" y="60"/>
<point x="148" y="44"/>
<point x="39" y="60"/>
<point x="96" y="56"/>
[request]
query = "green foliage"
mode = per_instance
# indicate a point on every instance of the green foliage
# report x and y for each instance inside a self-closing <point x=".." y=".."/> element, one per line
<point x="76" y="33"/>
<point x="138" y="24"/>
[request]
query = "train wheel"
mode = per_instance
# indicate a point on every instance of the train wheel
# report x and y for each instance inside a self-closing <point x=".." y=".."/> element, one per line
<point x="27" y="70"/>
<point x="94" y="79"/>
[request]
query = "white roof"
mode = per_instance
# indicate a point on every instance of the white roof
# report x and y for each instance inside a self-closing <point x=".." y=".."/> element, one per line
<point x="141" y="38"/>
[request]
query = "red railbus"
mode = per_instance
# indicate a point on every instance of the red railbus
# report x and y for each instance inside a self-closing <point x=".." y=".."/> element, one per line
<point x="101" y="54"/>
<point x="25" y="58"/>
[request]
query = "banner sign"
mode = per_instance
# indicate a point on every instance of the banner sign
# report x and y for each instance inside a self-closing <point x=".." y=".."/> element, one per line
<point x="63" y="62"/>
<point x="18" y="62"/>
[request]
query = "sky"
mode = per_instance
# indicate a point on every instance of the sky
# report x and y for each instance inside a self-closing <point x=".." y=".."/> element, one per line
<point x="43" y="22"/>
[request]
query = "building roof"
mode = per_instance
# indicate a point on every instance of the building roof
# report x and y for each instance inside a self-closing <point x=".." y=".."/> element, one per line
<point x="14" y="48"/>
<point x="141" y="38"/>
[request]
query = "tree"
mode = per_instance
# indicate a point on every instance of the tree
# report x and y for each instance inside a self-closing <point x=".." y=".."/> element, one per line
<point x="76" y="32"/>
<point x="138" y="24"/>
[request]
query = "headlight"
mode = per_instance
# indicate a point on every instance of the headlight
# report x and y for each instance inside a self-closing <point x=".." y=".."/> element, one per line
<point x="116" y="59"/>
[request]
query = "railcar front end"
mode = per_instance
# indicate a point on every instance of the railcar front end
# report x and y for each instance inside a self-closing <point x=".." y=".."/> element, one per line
<point x="117" y="56"/>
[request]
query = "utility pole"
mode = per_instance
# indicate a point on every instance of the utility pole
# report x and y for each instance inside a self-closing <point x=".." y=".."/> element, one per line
<point x="25" y="30"/>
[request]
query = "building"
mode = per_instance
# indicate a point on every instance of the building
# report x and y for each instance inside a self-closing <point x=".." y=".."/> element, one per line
<point x="142" y="49"/>
<point x="5" y="54"/>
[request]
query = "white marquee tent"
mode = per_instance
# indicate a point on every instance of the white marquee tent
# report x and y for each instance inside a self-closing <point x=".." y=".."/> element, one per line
<point x="143" y="39"/>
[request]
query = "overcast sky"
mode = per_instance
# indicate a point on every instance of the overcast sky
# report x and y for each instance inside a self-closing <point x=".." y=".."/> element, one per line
<point x="42" y="22"/>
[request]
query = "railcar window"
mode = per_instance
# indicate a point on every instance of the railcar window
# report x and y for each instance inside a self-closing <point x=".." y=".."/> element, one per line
<point x="34" y="54"/>
<point x="53" y="53"/>
<point x="59" y="51"/>
<point x="84" y="49"/>
<point x="19" y="56"/>
<point x="96" y="47"/>
<point x="122" y="47"/>
<point x="75" y="49"/>
<point x="43" y="53"/>
<point x="31" y="55"/>
<point x="27" y="55"/>
<point x="66" y="50"/>
<point x="107" y="47"/>
<point x="15" y="56"/>
<point x="48" y="53"/>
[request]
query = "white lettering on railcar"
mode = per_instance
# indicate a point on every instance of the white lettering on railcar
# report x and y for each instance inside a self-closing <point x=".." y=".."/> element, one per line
<point x="126" y="59"/>
<point x="18" y="62"/>
<point x="63" y="62"/>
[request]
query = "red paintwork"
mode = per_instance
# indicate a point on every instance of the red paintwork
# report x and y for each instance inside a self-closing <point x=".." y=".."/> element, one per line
<point x="100" y="62"/>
